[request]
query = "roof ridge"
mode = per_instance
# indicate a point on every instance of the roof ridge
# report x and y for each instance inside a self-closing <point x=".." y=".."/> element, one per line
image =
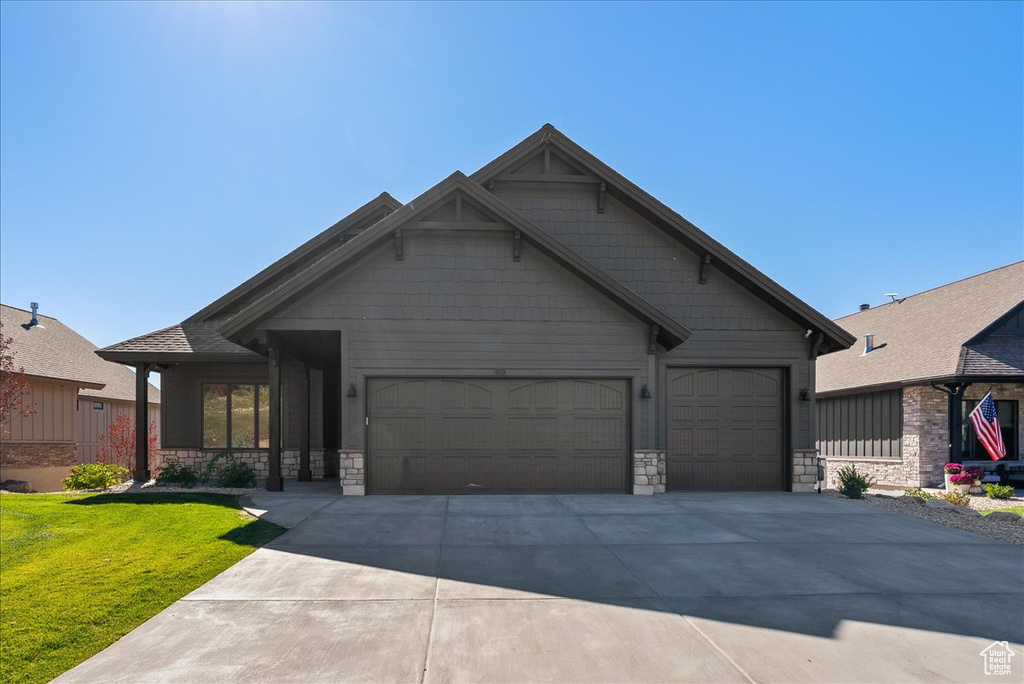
<point x="930" y="289"/>
<point x="667" y="219"/>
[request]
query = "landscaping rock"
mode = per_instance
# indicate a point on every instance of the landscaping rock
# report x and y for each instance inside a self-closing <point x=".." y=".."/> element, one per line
<point x="1002" y="515"/>
<point x="19" y="486"/>
<point x="963" y="510"/>
<point x="910" y="499"/>
<point x="938" y="503"/>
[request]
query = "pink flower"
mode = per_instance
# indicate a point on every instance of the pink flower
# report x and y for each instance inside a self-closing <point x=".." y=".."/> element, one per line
<point x="952" y="468"/>
<point x="962" y="478"/>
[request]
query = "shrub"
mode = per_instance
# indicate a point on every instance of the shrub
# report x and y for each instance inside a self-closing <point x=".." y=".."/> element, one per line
<point x="95" y="476"/>
<point x="997" y="491"/>
<point x="236" y="474"/>
<point x="227" y="471"/>
<point x="958" y="498"/>
<point x="852" y="484"/>
<point x="918" y="493"/>
<point x="118" y="444"/>
<point x="174" y="473"/>
<point x="962" y="479"/>
<point x="952" y="468"/>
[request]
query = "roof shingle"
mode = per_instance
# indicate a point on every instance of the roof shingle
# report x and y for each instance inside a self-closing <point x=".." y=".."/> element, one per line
<point x="922" y="337"/>
<point x="53" y="350"/>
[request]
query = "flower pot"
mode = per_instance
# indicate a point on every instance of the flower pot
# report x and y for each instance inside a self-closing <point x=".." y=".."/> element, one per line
<point x="965" y="488"/>
<point x="946" y="486"/>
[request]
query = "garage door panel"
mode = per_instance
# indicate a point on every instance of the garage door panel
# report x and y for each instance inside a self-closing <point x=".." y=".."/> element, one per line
<point x="499" y="435"/>
<point x="533" y="434"/>
<point x="725" y="434"/>
<point x="464" y="433"/>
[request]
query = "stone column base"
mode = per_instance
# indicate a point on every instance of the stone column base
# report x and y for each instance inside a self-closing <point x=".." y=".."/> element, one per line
<point x="353" y="473"/>
<point x="805" y="470"/>
<point x="649" y="472"/>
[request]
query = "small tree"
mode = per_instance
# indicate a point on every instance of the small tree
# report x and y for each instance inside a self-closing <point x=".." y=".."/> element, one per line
<point x="118" y="444"/>
<point x="14" y="386"/>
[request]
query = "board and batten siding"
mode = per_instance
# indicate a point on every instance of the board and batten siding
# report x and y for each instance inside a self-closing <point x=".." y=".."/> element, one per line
<point x="54" y="417"/>
<point x="91" y="422"/>
<point x="867" y="425"/>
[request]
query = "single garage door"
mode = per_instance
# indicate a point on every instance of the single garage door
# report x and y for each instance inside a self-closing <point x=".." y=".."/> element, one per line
<point x="497" y="435"/>
<point x="725" y="429"/>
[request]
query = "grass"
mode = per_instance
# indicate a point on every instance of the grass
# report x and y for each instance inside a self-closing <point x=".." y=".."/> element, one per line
<point x="77" y="572"/>
<point x="1019" y="510"/>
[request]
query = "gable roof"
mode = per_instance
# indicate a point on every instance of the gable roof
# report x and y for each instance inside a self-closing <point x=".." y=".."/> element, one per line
<point x="198" y="336"/>
<point x="940" y="334"/>
<point x="54" y="351"/>
<point x="576" y="164"/>
<point x="289" y="264"/>
<point x="670" y="332"/>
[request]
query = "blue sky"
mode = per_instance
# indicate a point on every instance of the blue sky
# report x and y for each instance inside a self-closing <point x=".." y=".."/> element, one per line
<point x="153" y="156"/>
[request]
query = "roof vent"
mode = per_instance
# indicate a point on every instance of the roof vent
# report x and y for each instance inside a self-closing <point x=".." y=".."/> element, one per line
<point x="869" y="343"/>
<point x="865" y="307"/>
<point x="35" y="319"/>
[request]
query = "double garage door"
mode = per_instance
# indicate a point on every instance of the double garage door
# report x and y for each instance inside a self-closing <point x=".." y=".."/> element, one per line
<point x="497" y="435"/>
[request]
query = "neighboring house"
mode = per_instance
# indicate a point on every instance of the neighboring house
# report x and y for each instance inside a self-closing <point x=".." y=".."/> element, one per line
<point x="542" y="326"/>
<point x="75" y="395"/>
<point x="890" y="404"/>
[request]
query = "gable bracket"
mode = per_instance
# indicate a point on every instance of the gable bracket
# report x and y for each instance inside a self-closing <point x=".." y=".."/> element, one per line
<point x="399" y="255"/>
<point x="819" y="340"/>
<point x="517" y="245"/>
<point x="602" y="192"/>
<point x="705" y="266"/>
<point x="652" y="340"/>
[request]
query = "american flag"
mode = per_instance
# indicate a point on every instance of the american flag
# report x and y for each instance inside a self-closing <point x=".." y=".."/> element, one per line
<point x="986" y="426"/>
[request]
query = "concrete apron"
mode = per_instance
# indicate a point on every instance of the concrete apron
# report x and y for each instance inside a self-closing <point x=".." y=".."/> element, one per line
<point x="677" y="587"/>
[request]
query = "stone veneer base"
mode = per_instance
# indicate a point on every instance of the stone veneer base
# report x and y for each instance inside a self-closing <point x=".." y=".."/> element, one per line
<point x="259" y="461"/>
<point x="649" y="472"/>
<point x="352" y="468"/>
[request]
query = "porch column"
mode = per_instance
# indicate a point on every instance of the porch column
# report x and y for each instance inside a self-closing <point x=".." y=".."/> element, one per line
<point x="955" y="399"/>
<point x="305" y="474"/>
<point x="141" y="422"/>
<point x="274" y="481"/>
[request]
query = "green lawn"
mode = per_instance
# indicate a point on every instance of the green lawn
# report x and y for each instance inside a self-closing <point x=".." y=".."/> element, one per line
<point x="1019" y="510"/>
<point x="77" y="572"/>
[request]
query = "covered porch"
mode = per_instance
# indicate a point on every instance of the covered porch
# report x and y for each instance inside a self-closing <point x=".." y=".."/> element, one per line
<point x="279" y="412"/>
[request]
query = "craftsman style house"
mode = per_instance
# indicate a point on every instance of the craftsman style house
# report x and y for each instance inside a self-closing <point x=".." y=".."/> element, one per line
<point x="543" y="325"/>
<point x="890" y="405"/>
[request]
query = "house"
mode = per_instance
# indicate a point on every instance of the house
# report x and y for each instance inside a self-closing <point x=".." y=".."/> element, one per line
<point x="889" y="405"/>
<point x="75" y="396"/>
<point x="543" y="325"/>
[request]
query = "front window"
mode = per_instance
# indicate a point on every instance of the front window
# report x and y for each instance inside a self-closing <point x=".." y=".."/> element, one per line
<point x="1006" y="411"/>
<point x="236" y="416"/>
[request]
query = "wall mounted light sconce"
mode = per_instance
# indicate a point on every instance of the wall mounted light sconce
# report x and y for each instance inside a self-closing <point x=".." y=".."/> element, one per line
<point x="805" y="394"/>
<point x="644" y="392"/>
<point x="351" y="390"/>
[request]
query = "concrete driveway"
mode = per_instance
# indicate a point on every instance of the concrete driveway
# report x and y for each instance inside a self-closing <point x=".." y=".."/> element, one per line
<point x="678" y="587"/>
